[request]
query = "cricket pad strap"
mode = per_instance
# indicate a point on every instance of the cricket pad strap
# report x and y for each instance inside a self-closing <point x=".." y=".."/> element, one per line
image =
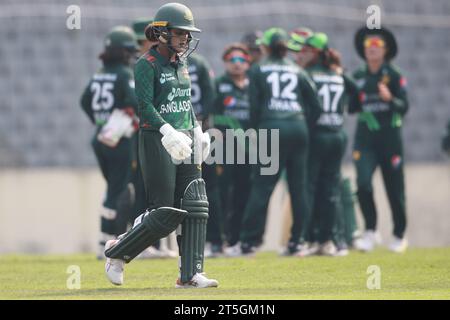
<point x="193" y="229"/>
<point x="148" y="228"/>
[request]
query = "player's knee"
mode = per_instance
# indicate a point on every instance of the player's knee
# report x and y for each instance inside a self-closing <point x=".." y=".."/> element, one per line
<point x="195" y="200"/>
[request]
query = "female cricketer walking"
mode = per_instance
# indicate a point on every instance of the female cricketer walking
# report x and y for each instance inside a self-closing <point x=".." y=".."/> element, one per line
<point x="171" y="165"/>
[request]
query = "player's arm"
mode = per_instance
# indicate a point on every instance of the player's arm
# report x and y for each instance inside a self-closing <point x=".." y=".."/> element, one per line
<point x="144" y="83"/>
<point x="352" y="91"/>
<point x="129" y="102"/>
<point x="254" y="94"/>
<point x="85" y="102"/>
<point x="312" y="103"/>
<point x="399" y="102"/>
<point x="206" y="83"/>
<point x="127" y="86"/>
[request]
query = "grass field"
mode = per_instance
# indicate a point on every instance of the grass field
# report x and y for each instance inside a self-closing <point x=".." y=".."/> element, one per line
<point x="417" y="274"/>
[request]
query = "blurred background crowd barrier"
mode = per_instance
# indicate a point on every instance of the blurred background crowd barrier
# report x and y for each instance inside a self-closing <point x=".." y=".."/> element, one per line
<point x="50" y="187"/>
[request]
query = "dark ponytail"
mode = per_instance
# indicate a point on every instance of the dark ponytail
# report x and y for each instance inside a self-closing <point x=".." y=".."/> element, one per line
<point x="329" y="57"/>
<point x="278" y="50"/>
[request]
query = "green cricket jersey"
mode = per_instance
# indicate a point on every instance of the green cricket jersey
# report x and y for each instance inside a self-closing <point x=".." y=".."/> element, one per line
<point x="202" y="86"/>
<point x="334" y="91"/>
<point x="111" y="87"/>
<point x="279" y="89"/>
<point x="375" y="113"/>
<point x="231" y="107"/>
<point x="163" y="91"/>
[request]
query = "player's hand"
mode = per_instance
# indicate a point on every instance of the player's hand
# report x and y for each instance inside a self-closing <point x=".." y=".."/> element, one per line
<point x="177" y="144"/>
<point x="203" y="140"/>
<point x="384" y="92"/>
<point x="335" y="57"/>
<point x="335" y="61"/>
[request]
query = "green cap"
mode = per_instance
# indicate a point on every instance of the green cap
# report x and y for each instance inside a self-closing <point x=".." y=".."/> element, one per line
<point x="139" y="26"/>
<point x="272" y="36"/>
<point x="298" y="38"/>
<point x="318" y="40"/>
<point x="121" y="37"/>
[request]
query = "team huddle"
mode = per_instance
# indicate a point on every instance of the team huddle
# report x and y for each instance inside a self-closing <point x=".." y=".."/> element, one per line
<point x="152" y="140"/>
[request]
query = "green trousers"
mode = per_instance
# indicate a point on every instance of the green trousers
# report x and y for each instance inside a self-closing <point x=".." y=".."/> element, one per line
<point x="293" y="151"/>
<point x="234" y="183"/>
<point x="326" y="151"/>
<point x="164" y="181"/>
<point x="115" y="165"/>
<point x="381" y="148"/>
<point x="215" y="229"/>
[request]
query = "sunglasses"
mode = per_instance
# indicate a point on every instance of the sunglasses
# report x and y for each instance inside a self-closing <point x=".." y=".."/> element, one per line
<point x="374" y="42"/>
<point x="236" y="59"/>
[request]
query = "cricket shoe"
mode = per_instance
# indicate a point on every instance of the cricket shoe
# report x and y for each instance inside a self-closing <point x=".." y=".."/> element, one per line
<point x="328" y="249"/>
<point x="114" y="267"/>
<point x="198" y="281"/>
<point x="292" y="249"/>
<point x="398" y="245"/>
<point x="213" y="250"/>
<point x="240" y="250"/>
<point x="233" y="251"/>
<point x="248" y="249"/>
<point x="368" y="241"/>
<point x="308" y="249"/>
<point x="342" y="249"/>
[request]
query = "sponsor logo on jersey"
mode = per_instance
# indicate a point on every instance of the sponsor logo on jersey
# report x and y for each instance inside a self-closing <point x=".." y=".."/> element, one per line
<point x="166" y="77"/>
<point x="375" y="107"/>
<point x="229" y="101"/>
<point x="225" y="87"/>
<point x="178" y="93"/>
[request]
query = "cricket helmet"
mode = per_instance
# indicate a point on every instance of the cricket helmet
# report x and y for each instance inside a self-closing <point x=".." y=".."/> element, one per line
<point x="171" y="16"/>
